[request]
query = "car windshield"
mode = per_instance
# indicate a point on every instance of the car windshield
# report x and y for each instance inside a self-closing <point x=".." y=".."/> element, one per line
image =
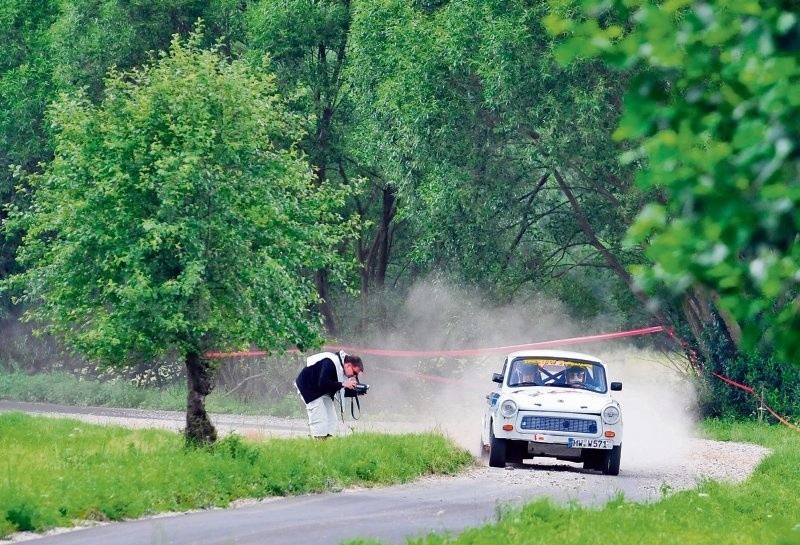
<point x="557" y="372"/>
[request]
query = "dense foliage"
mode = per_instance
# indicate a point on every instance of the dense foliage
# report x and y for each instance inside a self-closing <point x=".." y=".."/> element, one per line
<point x="476" y="142"/>
<point x="714" y="122"/>
<point x="176" y="216"/>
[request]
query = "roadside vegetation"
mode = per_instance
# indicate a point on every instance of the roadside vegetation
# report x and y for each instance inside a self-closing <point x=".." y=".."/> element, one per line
<point x="634" y="172"/>
<point x="65" y="388"/>
<point x="59" y="472"/>
<point x="63" y="472"/>
<point x="763" y="509"/>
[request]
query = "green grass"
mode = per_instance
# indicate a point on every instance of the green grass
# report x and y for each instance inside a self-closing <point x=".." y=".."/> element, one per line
<point x="67" y="389"/>
<point x="763" y="510"/>
<point x="54" y="472"/>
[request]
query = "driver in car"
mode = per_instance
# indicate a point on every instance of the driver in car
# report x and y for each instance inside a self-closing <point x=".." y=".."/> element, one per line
<point x="529" y="374"/>
<point x="576" y="376"/>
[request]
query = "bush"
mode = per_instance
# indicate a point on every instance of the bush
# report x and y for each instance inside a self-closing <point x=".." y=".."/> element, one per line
<point x="777" y="383"/>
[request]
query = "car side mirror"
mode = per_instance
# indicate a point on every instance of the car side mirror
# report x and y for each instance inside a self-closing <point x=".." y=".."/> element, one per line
<point x="616" y="386"/>
<point x="497" y="377"/>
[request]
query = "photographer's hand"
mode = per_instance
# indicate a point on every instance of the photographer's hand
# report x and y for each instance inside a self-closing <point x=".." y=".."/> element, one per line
<point x="350" y="383"/>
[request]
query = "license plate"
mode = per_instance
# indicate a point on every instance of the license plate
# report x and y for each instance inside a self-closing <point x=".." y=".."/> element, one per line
<point x="590" y="443"/>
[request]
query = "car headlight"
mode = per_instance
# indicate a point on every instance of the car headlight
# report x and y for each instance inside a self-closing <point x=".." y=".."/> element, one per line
<point x="508" y="408"/>
<point x="611" y="414"/>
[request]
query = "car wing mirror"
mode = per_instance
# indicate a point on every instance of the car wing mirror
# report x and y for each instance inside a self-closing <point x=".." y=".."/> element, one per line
<point x="616" y="386"/>
<point x="497" y="377"/>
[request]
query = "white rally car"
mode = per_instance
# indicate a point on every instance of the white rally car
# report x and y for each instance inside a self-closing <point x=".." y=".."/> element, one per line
<point x="555" y="404"/>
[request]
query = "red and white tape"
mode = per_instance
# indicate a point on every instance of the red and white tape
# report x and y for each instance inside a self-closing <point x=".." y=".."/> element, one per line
<point x="494" y="350"/>
<point x="463" y="352"/>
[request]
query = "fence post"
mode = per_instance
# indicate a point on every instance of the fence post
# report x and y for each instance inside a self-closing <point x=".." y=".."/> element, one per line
<point x="761" y="409"/>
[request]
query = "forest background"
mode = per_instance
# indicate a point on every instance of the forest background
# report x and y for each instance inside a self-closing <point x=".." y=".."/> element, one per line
<point x="593" y="166"/>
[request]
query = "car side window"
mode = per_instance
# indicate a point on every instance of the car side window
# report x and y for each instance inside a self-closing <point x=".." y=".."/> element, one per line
<point x="515" y="376"/>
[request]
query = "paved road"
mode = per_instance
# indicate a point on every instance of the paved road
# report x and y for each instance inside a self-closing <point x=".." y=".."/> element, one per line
<point x="393" y="514"/>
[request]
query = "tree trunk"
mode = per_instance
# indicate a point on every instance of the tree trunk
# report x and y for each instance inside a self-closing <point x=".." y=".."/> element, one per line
<point x="716" y="337"/>
<point x="325" y="307"/>
<point x="199" y="429"/>
<point x="383" y="250"/>
<point x="607" y="254"/>
<point x="384" y="247"/>
<point x="362" y="255"/>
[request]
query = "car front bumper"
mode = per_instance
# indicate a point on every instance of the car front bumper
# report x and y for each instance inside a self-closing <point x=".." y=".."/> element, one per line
<point x="572" y="431"/>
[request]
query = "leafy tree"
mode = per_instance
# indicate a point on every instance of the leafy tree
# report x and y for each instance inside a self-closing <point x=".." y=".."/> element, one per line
<point x="506" y="173"/>
<point x="309" y="43"/>
<point x="92" y="36"/>
<point x="24" y="80"/>
<point x="178" y="217"/>
<point x="25" y="89"/>
<point x="54" y="46"/>
<point x="713" y="122"/>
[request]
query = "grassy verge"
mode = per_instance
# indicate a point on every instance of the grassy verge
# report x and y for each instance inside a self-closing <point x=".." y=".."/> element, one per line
<point x="54" y="472"/>
<point x="67" y="389"/>
<point x="764" y="509"/>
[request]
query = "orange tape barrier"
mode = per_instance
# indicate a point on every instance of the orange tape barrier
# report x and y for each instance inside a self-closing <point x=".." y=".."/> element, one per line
<point x="496" y="350"/>
<point x="452" y="353"/>
<point x="457" y="353"/>
<point x="749" y="390"/>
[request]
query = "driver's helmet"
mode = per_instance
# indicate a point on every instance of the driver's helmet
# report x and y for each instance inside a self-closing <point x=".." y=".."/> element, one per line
<point x="527" y="373"/>
<point x="576" y="375"/>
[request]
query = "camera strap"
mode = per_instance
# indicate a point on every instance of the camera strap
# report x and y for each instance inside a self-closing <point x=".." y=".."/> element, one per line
<point x="354" y="402"/>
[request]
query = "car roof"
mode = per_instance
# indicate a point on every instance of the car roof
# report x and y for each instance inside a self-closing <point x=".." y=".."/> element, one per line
<point x="556" y="354"/>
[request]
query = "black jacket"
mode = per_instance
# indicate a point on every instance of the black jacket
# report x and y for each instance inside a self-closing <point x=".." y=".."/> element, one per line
<point x="317" y="380"/>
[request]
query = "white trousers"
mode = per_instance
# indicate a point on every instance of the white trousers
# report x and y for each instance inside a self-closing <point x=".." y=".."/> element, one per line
<point x="322" y="419"/>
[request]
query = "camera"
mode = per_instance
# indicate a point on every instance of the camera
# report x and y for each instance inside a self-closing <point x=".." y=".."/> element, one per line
<point x="359" y="390"/>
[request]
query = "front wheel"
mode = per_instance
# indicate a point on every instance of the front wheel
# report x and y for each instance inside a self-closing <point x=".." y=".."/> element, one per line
<point x="497" y="450"/>
<point x="593" y="459"/>
<point x="612" y="460"/>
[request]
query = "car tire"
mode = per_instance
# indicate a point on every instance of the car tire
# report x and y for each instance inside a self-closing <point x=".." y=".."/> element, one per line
<point x="516" y="451"/>
<point x="497" y="450"/>
<point x="612" y="460"/>
<point x="593" y="459"/>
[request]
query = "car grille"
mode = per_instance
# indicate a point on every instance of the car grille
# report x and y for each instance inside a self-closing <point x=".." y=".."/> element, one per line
<point x="549" y="423"/>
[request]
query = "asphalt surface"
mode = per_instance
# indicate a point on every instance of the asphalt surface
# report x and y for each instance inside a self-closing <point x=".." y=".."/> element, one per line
<point x="391" y="515"/>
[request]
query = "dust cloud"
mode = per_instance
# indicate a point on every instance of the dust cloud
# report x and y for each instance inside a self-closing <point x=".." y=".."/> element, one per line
<point x="448" y="393"/>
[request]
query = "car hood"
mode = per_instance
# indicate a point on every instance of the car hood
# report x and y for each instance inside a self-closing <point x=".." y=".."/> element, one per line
<point x="559" y="400"/>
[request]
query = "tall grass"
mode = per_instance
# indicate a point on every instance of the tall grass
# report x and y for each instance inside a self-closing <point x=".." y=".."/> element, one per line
<point x="68" y="389"/>
<point x="54" y="472"/>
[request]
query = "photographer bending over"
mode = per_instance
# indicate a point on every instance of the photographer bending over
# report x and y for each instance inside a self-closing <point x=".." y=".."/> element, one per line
<point x="322" y="380"/>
